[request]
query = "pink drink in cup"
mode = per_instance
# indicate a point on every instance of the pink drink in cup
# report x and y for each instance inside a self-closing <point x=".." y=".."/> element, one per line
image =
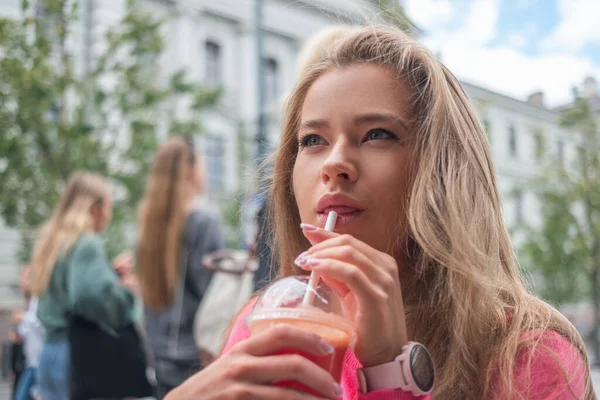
<point x="282" y="303"/>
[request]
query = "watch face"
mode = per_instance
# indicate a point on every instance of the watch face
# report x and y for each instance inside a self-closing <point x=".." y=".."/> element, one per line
<point x="421" y="367"/>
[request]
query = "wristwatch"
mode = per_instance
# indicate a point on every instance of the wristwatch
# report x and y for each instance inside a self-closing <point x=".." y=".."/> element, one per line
<point x="412" y="371"/>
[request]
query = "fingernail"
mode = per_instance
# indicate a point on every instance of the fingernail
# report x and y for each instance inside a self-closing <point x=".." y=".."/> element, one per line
<point x="312" y="262"/>
<point x="307" y="263"/>
<point x="327" y="348"/>
<point x="301" y="259"/>
<point x="337" y="390"/>
<point x="308" y="227"/>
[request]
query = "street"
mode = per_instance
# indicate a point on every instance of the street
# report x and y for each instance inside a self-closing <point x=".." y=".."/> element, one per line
<point x="4" y="390"/>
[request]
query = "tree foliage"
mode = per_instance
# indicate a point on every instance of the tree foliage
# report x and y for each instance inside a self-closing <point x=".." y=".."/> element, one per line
<point x="564" y="250"/>
<point x="104" y="113"/>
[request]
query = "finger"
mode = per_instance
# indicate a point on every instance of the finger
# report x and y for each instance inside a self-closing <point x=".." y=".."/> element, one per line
<point x="350" y="255"/>
<point x="285" y="337"/>
<point x="354" y="278"/>
<point x="316" y="235"/>
<point x="338" y="287"/>
<point x="126" y="262"/>
<point x="260" y="392"/>
<point x="126" y="253"/>
<point x="293" y="367"/>
<point x="126" y="257"/>
<point x="339" y="240"/>
<point x="125" y="269"/>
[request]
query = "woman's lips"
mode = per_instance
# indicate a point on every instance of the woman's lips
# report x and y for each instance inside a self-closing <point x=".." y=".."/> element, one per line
<point x="346" y="215"/>
<point x="339" y="210"/>
<point x="347" y="208"/>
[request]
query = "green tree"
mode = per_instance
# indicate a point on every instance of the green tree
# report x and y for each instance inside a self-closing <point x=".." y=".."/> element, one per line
<point x="564" y="251"/>
<point x="60" y="114"/>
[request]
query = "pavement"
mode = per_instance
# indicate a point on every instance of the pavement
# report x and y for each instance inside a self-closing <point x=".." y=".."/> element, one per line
<point x="5" y="390"/>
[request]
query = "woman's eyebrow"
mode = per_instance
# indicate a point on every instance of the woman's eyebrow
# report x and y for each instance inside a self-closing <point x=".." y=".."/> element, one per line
<point x="359" y="120"/>
<point x="314" y="124"/>
<point x="380" y="117"/>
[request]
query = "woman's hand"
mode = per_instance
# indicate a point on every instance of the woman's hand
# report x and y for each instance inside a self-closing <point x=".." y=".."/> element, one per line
<point x="130" y="281"/>
<point x="368" y="282"/>
<point x="123" y="263"/>
<point x="249" y="369"/>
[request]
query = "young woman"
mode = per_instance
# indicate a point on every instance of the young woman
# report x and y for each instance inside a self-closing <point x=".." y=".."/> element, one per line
<point x="173" y="239"/>
<point x="380" y="131"/>
<point x="72" y="275"/>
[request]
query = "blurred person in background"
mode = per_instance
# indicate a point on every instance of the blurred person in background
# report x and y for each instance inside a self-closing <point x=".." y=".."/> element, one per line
<point x="72" y="275"/>
<point x="6" y="358"/>
<point x="16" y="351"/>
<point x="262" y="246"/>
<point x="173" y="238"/>
<point x="32" y="333"/>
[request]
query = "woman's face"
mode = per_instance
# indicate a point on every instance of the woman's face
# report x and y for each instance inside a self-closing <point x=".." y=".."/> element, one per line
<point x="354" y="154"/>
<point x="102" y="213"/>
<point x="196" y="175"/>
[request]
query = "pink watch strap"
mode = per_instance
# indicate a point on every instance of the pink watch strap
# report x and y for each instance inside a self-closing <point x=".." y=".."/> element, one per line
<point x="398" y="373"/>
<point x="385" y="376"/>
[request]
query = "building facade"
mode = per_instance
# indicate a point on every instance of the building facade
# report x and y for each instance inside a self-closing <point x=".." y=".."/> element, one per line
<point x="524" y="136"/>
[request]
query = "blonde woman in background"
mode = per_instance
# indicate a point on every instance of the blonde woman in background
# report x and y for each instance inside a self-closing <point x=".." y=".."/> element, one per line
<point x="71" y="274"/>
<point x="379" y="130"/>
<point x="173" y="238"/>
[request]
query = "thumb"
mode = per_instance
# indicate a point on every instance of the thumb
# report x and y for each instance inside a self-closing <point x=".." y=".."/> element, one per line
<point x="316" y="235"/>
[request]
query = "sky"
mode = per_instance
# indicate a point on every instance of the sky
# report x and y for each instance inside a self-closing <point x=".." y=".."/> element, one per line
<point x="514" y="47"/>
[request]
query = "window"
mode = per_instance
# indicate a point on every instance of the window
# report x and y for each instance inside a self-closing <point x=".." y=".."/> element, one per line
<point x="212" y="74"/>
<point x="539" y="144"/>
<point x="215" y="164"/>
<point x="270" y="80"/>
<point x="560" y="149"/>
<point x="518" y="206"/>
<point x="512" y="141"/>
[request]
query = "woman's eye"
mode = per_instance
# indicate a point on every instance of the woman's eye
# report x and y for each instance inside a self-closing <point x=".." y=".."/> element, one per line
<point x="380" y="134"/>
<point x="311" y="140"/>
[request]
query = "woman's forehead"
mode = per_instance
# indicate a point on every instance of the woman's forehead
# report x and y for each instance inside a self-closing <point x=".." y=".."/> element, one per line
<point x="362" y="89"/>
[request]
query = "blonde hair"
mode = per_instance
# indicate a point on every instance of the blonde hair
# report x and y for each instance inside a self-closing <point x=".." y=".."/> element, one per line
<point x="162" y="214"/>
<point x="467" y="302"/>
<point x="71" y="217"/>
<point x="317" y="45"/>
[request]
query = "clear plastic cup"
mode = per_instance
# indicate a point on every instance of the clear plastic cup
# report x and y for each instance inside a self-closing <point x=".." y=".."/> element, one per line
<point x="282" y="303"/>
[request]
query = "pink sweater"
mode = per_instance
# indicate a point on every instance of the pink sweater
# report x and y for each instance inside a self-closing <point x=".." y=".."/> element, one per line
<point x="542" y="380"/>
